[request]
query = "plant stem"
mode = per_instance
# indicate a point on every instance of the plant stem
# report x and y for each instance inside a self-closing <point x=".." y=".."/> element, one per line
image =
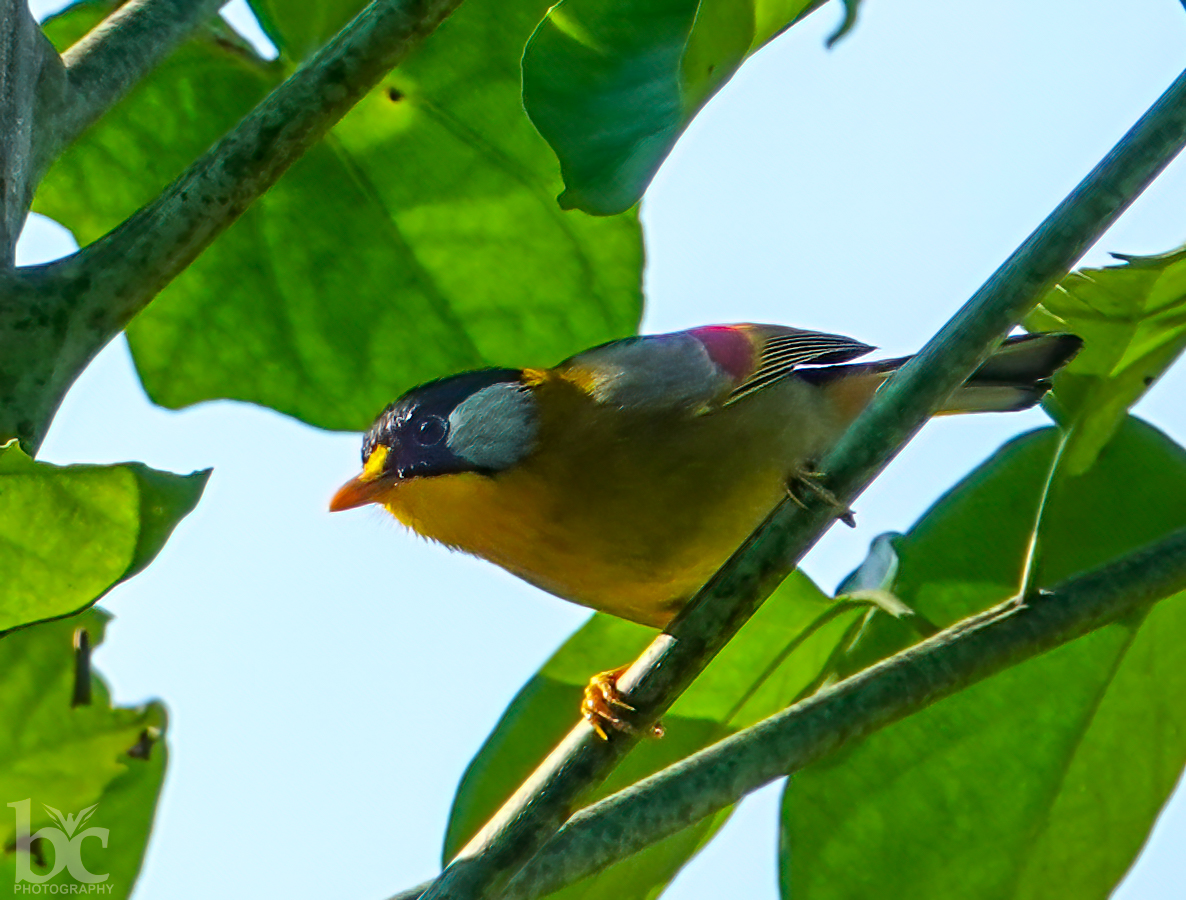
<point x="541" y="805"/>
<point x="22" y="52"/>
<point x="55" y="318"/>
<point x="954" y="659"/>
<point x="108" y="62"/>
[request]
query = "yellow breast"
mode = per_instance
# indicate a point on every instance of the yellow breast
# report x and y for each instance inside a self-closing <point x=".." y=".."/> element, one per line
<point x="621" y="513"/>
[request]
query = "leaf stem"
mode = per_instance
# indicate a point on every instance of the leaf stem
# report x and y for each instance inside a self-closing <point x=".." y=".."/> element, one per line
<point x="542" y="804"/>
<point x="1029" y="566"/>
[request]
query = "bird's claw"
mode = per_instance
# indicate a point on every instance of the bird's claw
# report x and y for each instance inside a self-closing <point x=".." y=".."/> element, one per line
<point x="809" y="479"/>
<point x="603" y="704"/>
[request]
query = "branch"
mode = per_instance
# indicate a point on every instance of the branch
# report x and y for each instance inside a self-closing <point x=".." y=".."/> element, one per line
<point x="108" y="62"/>
<point x="57" y="317"/>
<point x="956" y="658"/>
<point x="125" y="269"/>
<point x="541" y="805"/>
<point x="46" y="101"/>
<point x="23" y="51"/>
<point x="683" y="794"/>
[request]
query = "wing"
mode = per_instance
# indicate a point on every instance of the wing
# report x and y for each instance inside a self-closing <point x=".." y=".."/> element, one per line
<point x="782" y="349"/>
<point x="654" y="372"/>
<point x="700" y="369"/>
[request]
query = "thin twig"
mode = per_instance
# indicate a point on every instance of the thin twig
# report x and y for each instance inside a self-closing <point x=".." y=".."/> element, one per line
<point x="541" y="805"/>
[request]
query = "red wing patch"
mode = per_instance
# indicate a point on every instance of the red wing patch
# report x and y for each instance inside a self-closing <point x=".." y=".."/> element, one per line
<point x="729" y="347"/>
<point x="783" y="351"/>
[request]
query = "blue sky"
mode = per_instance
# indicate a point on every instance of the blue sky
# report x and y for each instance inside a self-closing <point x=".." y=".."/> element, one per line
<point x="328" y="678"/>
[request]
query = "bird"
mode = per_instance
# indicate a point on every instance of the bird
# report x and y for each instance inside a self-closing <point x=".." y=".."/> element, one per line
<point x="622" y="478"/>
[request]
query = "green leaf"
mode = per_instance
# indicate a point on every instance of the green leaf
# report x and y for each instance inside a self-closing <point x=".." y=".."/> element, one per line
<point x="72" y="757"/>
<point x="756" y="674"/>
<point x="1132" y="318"/>
<point x="612" y="84"/>
<point x="873" y="580"/>
<point x="299" y="28"/>
<point x="1044" y="780"/>
<point x="169" y="119"/>
<point x="68" y="534"/>
<point x="418" y="239"/>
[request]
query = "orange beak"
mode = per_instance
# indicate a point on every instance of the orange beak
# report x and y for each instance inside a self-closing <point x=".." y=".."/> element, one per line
<point x="368" y="487"/>
<point x="356" y="492"/>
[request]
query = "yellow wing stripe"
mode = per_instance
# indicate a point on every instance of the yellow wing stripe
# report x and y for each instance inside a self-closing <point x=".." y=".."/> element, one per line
<point x="783" y="352"/>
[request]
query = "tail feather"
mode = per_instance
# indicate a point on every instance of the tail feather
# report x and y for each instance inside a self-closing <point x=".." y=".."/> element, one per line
<point x="1028" y="357"/>
<point x="995" y="397"/>
<point x="1015" y="377"/>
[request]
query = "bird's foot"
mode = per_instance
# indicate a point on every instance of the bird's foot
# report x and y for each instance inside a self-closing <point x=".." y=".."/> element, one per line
<point x="603" y="706"/>
<point x="807" y="479"/>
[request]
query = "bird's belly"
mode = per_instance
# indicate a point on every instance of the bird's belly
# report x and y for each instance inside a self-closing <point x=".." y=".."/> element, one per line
<point x="636" y="553"/>
<point x="627" y="512"/>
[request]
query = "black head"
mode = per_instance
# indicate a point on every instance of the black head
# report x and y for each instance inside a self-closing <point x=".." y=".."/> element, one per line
<point x="480" y="421"/>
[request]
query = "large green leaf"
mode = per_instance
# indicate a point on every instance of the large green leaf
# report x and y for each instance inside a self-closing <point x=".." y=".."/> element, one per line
<point x="1044" y="780"/>
<point x="68" y="534"/>
<point x="612" y="84"/>
<point x="298" y="28"/>
<point x="418" y="239"/>
<point x="1132" y="318"/>
<point x="777" y="655"/>
<point x="58" y="754"/>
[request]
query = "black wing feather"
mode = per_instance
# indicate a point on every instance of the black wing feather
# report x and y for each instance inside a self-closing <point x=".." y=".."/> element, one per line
<point x="784" y="352"/>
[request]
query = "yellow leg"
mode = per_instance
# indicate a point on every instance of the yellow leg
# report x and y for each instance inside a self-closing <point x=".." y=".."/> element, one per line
<point x="603" y="704"/>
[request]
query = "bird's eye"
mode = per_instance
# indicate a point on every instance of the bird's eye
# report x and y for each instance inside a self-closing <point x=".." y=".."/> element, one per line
<point x="430" y="430"/>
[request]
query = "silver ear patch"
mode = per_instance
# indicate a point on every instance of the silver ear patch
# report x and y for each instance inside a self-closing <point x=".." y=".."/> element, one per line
<point x="495" y="427"/>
